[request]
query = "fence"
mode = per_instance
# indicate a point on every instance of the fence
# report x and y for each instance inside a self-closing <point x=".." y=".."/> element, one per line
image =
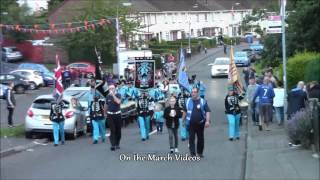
<point x="314" y="105"/>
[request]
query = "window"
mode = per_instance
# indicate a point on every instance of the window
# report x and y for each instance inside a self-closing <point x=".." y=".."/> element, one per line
<point x="82" y="65"/>
<point x="10" y="77"/>
<point x="46" y="104"/>
<point x="198" y="19"/>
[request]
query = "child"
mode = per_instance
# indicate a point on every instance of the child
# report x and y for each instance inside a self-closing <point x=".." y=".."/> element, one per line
<point x="158" y="116"/>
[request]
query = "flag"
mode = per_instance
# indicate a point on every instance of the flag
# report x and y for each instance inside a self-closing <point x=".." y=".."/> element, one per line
<point x="58" y="80"/>
<point x="99" y="74"/>
<point x="183" y="76"/>
<point x="233" y="75"/>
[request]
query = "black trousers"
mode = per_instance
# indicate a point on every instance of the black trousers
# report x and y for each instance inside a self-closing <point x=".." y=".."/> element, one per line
<point x="10" y="114"/>
<point x="196" y="128"/>
<point x="115" y="123"/>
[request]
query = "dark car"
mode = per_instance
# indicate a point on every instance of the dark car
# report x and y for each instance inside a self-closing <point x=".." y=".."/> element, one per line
<point x="48" y="76"/>
<point x="251" y="54"/>
<point x="20" y="83"/>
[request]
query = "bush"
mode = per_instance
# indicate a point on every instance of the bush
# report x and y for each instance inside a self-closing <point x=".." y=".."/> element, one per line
<point x="303" y="67"/>
<point x="227" y="40"/>
<point x="299" y="128"/>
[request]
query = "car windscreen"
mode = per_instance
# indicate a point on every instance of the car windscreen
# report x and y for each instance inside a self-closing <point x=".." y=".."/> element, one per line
<point x="221" y="62"/>
<point x="46" y="104"/>
<point x="12" y="49"/>
<point x="37" y="73"/>
<point x="240" y="54"/>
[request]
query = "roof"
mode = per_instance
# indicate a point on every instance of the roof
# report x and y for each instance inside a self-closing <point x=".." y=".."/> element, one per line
<point x="27" y="70"/>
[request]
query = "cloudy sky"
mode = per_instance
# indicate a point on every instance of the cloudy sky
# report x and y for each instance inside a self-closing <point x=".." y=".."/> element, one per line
<point x="35" y="4"/>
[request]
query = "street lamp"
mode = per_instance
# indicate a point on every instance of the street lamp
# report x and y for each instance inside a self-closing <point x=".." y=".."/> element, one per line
<point x="118" y="35"/>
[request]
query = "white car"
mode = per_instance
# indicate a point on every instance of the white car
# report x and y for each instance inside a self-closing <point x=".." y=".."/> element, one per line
<point x="3" y="89"/>
<point x="11" y="54"/>
<point x="37" y="118"/>
<point x="34" y="77"/>
<point x="220" y="67"/>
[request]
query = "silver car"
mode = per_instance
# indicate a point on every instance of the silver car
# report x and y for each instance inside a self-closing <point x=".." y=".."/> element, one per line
<point x="37" y="118"/>
<point x="11" y="54"/>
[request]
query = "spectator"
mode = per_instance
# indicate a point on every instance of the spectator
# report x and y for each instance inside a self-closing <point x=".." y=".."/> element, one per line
<point x="246" y="73"/>
<point x="278" y="103"/>
<point x="297" y="99"/>
<point x="313" y="90"/>
<point x="11" y="103"/>
<point x="266" y="94"/>
<point x="273" y="80"/>
<point x="249" y="97"/>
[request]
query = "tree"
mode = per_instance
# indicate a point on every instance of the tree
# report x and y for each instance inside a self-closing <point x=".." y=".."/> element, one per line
<point x="304" y="27"/>
<point x="103" y="37"/>
<point x="53" y="4"/>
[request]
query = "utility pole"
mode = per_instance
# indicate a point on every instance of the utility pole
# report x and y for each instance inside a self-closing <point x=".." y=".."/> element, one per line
<point x="284" y="61"/>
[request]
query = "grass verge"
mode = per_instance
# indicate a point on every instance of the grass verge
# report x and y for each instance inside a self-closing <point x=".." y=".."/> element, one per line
<point x="17" y="131"/>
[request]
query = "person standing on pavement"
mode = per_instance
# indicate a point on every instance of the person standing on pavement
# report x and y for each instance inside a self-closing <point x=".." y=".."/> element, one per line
<point x="56" y="116"/>
<point x="233" y="112"/>
<point x="11" y="103"/>
<point x="113" y="114"/>
<point x="278" y="103"/>
<point x="313" y="89"/>
<point x="172" y="114"/>
<point x="251" y="89"/>
<point x="297" y="99"/>
<point x="266" y="94"/>
<point x="197" y="118"/>
<point x="98" y="120"/>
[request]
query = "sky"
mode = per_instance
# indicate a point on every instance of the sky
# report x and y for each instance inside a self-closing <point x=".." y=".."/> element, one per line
<point x="35" y="4"/>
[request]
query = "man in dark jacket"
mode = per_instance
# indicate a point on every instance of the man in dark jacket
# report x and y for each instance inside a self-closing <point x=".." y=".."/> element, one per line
<point x="314" y="90"/>
<point x="172" y="114"/>
<point x="11" y="103"/>
<point x="297" y="99"/>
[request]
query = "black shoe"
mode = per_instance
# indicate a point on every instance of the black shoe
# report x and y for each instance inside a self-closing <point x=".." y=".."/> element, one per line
<point x="171" y="150"/>
<point x="95" y="142"/>
<point x="62" y="142"/>
<point x="200" y="155"/>
<point x="230" y="139"/>
<point x="117" y="147"/>
<point x="103" y="140"/>
<point x="143" y="139"/>
<point x="55" y="145"/>
<point x="183" y="139"/>
<point x="238" y="138"/>
<point x="260" y="127"/>
<point x="112" y="148"/>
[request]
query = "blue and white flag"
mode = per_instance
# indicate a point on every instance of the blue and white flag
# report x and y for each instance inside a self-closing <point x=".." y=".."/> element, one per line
<point x="183" y="76"/>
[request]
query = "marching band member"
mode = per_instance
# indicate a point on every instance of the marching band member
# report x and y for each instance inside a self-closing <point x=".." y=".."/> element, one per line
<point x="98" y="121"/>
<point x="56" y="116"/>
<point x="144" y="114"/>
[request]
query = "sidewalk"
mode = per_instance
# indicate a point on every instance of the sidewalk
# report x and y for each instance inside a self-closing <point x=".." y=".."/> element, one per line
<point x="270" y="157"/>
<point x="12" y="145"/>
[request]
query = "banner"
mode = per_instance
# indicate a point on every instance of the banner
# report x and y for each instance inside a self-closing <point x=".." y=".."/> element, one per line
<point x="183" y="76"/>
<point x="144" y="77"/>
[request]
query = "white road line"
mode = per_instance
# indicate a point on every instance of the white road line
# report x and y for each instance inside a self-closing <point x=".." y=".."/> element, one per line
<point x="36" y="142"/>
<point x="154" y="131"/>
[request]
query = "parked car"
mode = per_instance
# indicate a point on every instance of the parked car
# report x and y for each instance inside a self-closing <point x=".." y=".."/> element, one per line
<point x="21" y="84"/>
<point x="79" y="67"/>
<point x="251" y="54"/>
<point x="84" y="95"/>
<point x="48" y="76"/>
<point x="241" y="58"/>
<point x="220" y="67"/>
<point x="34" y="77"/>
<point x="257" y="47"/>
<point x="11" y="54"/>
<point x="3" y="89"/>
<point x="37" y="118"/>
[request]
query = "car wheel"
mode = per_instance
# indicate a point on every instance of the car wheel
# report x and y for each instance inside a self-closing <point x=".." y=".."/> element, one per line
<point x="19" y="89"/>
<point x="74" y="134"/>
<point x="28" y="135"/>
<point x="33" y="86"/>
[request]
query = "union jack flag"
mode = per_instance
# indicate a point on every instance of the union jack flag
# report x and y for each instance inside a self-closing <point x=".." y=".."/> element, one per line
<point x="58" y="79"/>
<point x="233" y="75"/>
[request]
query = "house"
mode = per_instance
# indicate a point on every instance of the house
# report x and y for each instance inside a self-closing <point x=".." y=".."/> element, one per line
<point x="174" y="19"/>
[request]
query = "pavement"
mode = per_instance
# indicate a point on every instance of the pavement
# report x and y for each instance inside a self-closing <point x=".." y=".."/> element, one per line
<point x="270" y="157"/>
<point x="257" y="155"/>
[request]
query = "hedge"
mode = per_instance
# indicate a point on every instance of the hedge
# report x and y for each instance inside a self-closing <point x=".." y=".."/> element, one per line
<point x="303" y="67"/>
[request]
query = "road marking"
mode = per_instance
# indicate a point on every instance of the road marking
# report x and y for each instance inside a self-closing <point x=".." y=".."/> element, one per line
<point x="154" y="131"/>
<point x="30" y="150"/>
<point x="43" y="144"/>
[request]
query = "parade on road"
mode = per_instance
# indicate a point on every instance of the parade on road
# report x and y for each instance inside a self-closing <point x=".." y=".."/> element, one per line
<point x="150" y="89"/>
